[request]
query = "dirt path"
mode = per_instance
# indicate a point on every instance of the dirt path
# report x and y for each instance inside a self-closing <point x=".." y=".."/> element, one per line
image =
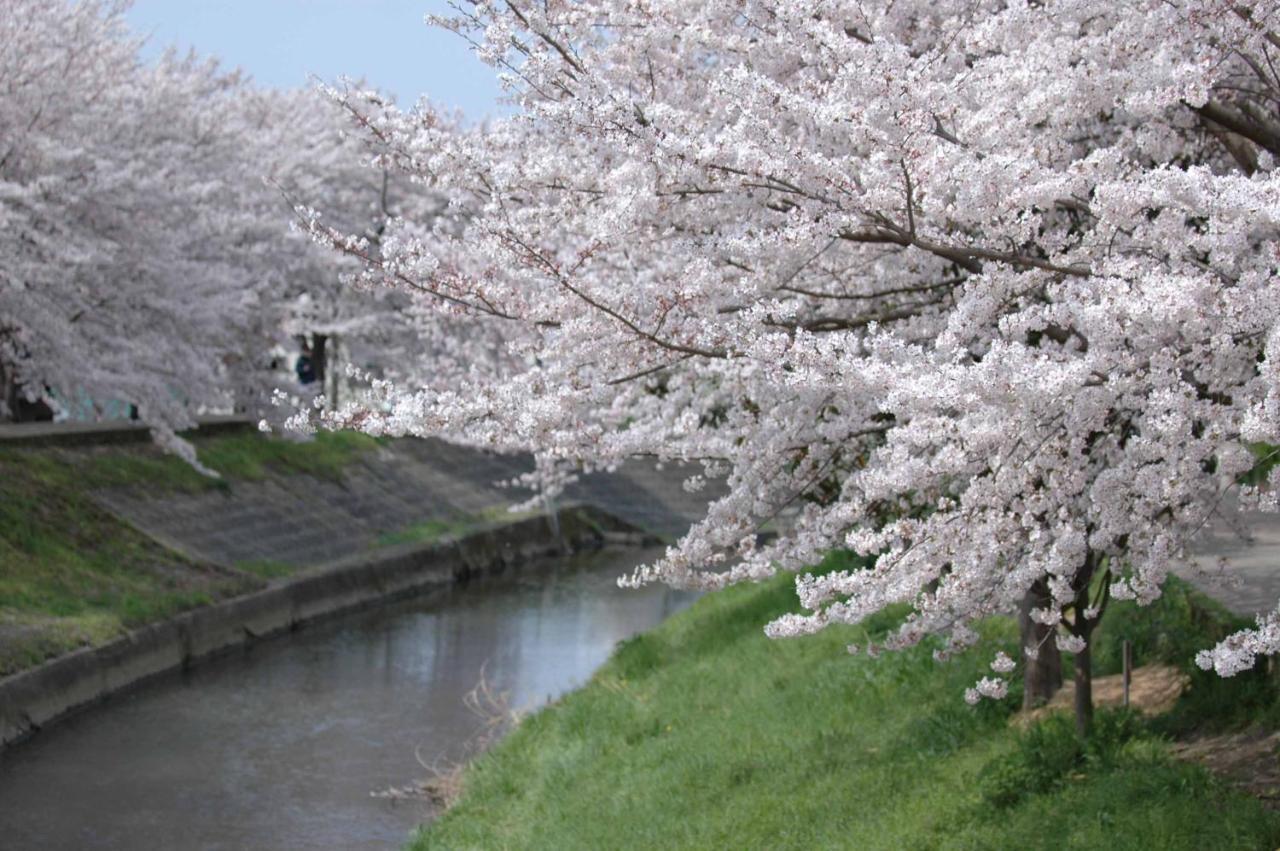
<point x="1250" y="761"/>
<point x="1154" y="689"/>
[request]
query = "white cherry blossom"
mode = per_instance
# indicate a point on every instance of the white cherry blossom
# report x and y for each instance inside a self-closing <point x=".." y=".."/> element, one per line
<point x="984" y="289"/>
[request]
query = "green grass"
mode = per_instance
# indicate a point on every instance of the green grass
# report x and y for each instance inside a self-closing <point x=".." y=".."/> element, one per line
<point x="455" y="526"/>
<point x="27" y="639"/>
<point x="705" y="734"/>
<point x="266" y="569"/>
<point x="428" y="530"/>
<point x="72" y="574"/>
<point x="249" y="456"/>
<point x="239" y="456"/>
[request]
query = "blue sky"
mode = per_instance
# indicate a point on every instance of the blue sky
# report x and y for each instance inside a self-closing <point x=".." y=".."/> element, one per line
<point x="281" y="42"/>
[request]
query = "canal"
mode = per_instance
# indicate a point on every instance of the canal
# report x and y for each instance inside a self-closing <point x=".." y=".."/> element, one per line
<point x="280" y="746"/>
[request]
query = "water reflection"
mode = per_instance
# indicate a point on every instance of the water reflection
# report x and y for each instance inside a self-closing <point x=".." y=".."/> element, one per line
<point x="280" y="747"/>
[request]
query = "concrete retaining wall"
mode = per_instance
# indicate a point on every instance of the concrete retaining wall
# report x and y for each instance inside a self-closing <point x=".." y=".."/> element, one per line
<point x="33" y="698"/>
<point x="109" y="432"/>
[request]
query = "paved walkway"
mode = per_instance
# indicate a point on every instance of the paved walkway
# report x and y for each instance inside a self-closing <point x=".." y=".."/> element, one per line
<point x="1253" y="561"/>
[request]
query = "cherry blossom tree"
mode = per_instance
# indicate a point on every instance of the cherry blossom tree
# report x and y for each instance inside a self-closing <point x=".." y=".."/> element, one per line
<point x="127" y="264"/>
<point x="986" y="289"/>
<point x="308" y="157"/>
<point x="148" y="253"/>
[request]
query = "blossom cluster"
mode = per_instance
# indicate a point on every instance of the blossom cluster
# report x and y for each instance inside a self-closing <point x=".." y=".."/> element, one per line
<point x="986" y="290"/>
<point x="146" y="250"/>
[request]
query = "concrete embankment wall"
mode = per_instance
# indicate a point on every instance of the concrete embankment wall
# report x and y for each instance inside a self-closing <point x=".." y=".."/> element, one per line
<point x="291" y="518"/>
<point x="38" y="696"/>
<point x="115" y="432"/>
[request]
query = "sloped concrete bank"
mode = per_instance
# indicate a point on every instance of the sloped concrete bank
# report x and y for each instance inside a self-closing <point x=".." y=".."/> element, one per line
<point x="39" y="696"/>
<point x="112" y="432"/>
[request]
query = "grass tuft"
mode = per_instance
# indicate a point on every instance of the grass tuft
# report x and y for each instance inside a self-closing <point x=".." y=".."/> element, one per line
<point x="454" y="526"/>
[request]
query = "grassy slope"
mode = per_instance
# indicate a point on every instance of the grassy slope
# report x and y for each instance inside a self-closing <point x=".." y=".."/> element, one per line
<point x="72" y="574"/>
<point x="704" y="734"/>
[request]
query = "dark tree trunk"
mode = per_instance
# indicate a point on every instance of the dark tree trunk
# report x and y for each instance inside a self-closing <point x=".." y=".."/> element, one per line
<point x="319" y="360"/>
<point x="34" y="412"/>
<point x="1084" y="691"/>
<point x="1042" y="676"/>
<point x="1083" y="628"/>
<point x="22" y="409"/>
<point x="6" y="391"/>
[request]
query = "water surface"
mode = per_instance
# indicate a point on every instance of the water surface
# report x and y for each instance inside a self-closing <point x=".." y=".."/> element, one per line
<point x="279" y="746"/>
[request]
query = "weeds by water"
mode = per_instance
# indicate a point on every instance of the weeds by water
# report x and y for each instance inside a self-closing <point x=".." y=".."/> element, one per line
<point x="444" y="783"/>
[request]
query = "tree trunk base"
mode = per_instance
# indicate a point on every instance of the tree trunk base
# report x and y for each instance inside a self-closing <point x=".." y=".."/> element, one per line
<point x="1042" y="676"/>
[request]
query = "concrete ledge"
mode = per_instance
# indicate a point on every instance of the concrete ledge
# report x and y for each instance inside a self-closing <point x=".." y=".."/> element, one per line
<point x="109" y="432"/>
<point x="39" y="696"/>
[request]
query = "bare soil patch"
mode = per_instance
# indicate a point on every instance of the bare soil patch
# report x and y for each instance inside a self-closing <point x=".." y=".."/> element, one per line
<point x="1153" y="690"/>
